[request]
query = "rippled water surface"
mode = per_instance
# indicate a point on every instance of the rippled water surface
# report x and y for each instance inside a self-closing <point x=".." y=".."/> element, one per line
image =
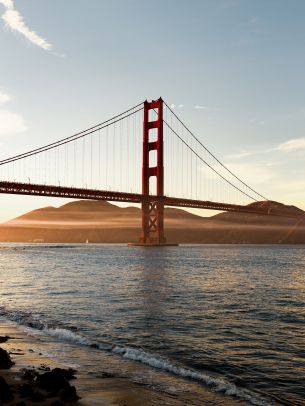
<point x="231" y="314"/>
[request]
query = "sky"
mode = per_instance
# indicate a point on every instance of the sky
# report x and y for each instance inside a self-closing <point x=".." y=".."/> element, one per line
<point x="233" y="70"/>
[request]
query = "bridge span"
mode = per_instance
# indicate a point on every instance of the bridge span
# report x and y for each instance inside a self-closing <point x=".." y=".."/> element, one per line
<point x="29" y="189"/>
<point x="145" y="155"/>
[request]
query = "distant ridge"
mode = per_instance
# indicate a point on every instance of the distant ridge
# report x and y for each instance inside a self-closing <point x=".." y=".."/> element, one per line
<point x="103" y="222"/>
<point x="259" y="219"/>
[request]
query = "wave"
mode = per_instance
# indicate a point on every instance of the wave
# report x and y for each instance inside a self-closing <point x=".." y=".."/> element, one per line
<point x="217" y="384"/>
<point x="23" y="318"/>
<point x="63" y="334"/>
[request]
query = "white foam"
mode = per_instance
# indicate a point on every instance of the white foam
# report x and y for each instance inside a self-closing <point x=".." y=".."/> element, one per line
<point x="217" y="384"/>
<point x="134" y="354"/>
<point x="66" y="335"/>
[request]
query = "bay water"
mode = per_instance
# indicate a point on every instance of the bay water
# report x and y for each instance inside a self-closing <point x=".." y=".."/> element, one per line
<point x="229" y="317"/>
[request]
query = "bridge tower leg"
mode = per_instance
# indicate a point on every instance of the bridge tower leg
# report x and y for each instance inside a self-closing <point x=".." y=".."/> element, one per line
<point x="152" y="210"/>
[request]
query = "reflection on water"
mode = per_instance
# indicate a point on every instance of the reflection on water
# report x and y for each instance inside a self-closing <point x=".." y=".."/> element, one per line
<point x="231" y="312"/>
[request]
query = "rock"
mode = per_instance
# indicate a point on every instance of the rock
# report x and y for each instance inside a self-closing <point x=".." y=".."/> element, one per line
<point x="52" y="382"/>
<point x="44" y="367"/>
<point x="25" y="390"/>
<point x="3" y="339"/>
<point x="5" y="391"/>
<point x="37" y="396"/>
<point x="67" y="373"/>
<point x="105" y="375"/>
<point x="29" y="374"/>
<point x="5" y="360"/>
<point x="31" y="392"/>
<point x="69" y="394"/>
<point x="57" y="403"/>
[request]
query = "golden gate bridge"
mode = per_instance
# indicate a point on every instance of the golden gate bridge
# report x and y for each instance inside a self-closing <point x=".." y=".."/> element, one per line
<point x="145" y="155"/>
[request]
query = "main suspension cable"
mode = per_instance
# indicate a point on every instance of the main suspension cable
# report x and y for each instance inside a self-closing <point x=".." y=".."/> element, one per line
<point x="206" y="163"/>
<point x="224" y="166"/>
<point x="71" y="138"/>
<point x="76" y="136"/>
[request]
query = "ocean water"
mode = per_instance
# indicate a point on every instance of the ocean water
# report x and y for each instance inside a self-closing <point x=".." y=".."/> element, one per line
<point x="228" y="317"/>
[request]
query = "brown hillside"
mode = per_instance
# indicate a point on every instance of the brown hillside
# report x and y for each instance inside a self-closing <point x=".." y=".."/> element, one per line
<point x="100" y="221"/>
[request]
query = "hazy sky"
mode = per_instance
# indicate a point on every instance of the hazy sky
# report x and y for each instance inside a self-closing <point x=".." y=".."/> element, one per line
<point x="236" y="66"/>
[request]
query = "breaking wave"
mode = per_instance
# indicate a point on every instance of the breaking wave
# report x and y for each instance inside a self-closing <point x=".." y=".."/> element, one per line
<point x="217" y="384"/>
<point x="63" y="334"/>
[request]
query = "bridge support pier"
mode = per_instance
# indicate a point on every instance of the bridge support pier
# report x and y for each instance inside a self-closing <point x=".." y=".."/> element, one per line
<point x="152" y="223"/>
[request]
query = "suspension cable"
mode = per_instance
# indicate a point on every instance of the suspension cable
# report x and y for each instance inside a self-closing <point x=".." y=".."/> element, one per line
<point x="224" y="166"/>
<point x="76" y="136"/>
<point x="206" y="163"/>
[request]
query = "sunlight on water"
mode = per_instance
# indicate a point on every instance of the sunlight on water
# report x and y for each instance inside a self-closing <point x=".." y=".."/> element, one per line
<point x="231" y="317"/>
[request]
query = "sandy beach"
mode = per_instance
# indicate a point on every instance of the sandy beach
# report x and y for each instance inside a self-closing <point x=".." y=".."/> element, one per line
<point x="27" y="352"/>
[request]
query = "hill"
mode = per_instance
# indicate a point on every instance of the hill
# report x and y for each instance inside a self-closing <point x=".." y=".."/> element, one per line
<point x="103" y="222"/>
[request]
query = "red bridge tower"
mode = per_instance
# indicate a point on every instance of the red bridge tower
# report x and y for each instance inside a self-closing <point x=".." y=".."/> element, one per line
<point x="152" y="209"/>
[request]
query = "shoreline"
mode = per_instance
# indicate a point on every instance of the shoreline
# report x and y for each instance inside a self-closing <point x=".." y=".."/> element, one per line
<point x="60" y="244"/>
<point x="28" y="352"/>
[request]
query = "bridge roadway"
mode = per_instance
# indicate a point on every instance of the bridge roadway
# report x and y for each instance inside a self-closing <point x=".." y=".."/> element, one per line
<point x="94" y="194"/>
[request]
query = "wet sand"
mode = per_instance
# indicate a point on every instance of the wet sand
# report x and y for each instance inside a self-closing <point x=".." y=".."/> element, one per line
<point x="29" y="352"/>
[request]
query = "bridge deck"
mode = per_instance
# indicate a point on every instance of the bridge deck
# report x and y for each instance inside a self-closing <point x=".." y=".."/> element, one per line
<point x="93" y="194"/>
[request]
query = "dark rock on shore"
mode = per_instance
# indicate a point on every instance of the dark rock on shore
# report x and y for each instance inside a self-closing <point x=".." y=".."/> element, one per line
<point x="105" y="375"/>
<point x="32" y="393"/>
<point x="53" y="383"/>
<point x="5" y="391"/>
<point x="5" y="360"/>
<point x="66" y="373"/>
<point x="28" y="374"/>
<point x="69" y="394"/>
<point x="36" y="386"/>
